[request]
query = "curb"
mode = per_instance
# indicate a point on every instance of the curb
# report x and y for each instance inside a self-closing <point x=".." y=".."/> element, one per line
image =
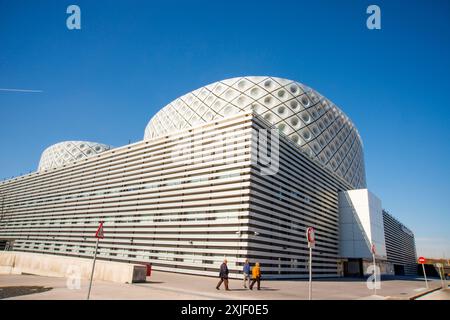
<point x="424" y="293"/>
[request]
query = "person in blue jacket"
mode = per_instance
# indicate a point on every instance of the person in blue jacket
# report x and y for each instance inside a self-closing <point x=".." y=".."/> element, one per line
<point x="246" y="271"/>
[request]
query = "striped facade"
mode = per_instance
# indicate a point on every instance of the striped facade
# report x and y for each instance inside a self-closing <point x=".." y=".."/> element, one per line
<point x="183" y="202"/>
<point x="282" y="206"/>
<point x="400" y="246"/>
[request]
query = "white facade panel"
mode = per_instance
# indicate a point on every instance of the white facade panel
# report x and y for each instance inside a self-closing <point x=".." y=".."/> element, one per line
<point x="361" y="211"/>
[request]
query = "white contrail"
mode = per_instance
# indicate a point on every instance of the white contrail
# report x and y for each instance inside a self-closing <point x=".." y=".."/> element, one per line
<point x="19" y="90"/>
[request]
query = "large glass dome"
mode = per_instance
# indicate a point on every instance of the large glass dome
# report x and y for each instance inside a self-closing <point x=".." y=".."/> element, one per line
<point x="310" y="120"/>
<point x="67" y="152"/>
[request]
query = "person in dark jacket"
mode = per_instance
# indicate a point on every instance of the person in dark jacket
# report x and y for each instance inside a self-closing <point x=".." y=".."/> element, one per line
<point x="223" y="275"/>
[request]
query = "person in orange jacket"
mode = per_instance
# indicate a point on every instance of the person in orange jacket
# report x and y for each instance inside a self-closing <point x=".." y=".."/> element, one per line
<point x="256" y="276"/>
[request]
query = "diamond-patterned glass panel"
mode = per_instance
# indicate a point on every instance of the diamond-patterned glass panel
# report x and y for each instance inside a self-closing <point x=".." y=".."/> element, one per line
<point x="67" y="152"/>
<point x="309" y="119"/>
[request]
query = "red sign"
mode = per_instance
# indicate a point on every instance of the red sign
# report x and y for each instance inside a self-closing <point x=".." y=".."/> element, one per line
<point x="310" y="235"/>
<point x="422" y="260"/>
<point x="373" y="249"/>
<point x="99" y="234"/>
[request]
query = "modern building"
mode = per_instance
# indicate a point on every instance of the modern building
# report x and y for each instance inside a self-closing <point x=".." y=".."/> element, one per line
<point x="237" y="169"/>
<point x="400" y="246"/>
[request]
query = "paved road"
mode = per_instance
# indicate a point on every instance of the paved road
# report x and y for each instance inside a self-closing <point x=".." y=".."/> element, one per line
<point x="164" y="285"/>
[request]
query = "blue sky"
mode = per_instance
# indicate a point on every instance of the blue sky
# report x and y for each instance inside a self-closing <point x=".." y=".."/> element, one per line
<point x="104" y="82"/>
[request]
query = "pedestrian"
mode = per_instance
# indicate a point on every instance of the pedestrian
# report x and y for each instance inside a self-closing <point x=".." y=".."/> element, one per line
<point x="256" y="275"/>
<point x="246" y="271"/>
<point x="223" y="275"/>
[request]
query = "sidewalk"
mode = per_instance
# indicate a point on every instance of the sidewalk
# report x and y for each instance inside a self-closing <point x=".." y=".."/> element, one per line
<point x="443" y="294"/>
<point x="164" y="285"/>
<point x="326" y="289"/>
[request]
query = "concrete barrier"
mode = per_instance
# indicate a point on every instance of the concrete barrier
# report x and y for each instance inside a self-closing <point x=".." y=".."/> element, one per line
<point x="15" y="262"/>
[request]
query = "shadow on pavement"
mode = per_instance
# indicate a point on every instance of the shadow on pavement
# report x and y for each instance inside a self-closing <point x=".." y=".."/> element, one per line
<point x="269" y="289"/>
<point x="9" y="292"/>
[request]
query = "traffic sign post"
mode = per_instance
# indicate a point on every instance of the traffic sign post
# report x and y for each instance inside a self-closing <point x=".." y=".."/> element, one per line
<point x="440" y="268"/>
<point x="422" y="261"/>
<point x="99" y="235"/>
<point x="373" y="249"/>
<point x="311" y="243"/>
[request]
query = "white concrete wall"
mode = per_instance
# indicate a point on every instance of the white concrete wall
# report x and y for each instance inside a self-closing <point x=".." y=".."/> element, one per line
<point x="13" y="262"/>
<point x="361" y="224"/>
